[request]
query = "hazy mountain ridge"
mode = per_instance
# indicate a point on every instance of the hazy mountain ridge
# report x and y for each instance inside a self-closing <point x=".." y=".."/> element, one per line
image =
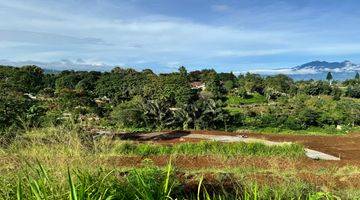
<point x="314" y="67"/>
<point x="64" y="64"/>
<point x="324" y="66"/>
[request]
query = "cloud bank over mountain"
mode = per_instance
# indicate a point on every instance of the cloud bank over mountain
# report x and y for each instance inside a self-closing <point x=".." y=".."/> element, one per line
<point x="227" y="35"/>
<point x="312" y="68"/>
<point x="65" y="64"/>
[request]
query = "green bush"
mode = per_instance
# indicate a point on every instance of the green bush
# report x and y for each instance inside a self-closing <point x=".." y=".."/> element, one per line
<point x="293" y="123"/>
<point x="251" y="99"/>
<point x="353" y="91"/>
<point x="129" y="114"/>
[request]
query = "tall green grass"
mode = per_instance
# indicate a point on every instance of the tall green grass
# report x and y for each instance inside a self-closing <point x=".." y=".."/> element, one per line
<point x="207" y="148"/>
<point x="72" y="168"/>
<point x="52" y="142"/>
<point x="150" y="183"/>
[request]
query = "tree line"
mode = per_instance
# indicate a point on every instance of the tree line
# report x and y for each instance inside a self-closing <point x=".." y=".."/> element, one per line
<point x="128" y="98"/>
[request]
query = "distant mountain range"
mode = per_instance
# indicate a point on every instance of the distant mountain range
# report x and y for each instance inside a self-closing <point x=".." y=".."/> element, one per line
<point x="56" y="66"/>
<point x="314" y="67"/>
<point x="323" y="66"/>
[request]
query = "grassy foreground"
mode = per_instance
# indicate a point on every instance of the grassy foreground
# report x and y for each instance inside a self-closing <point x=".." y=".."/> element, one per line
<point x="35" y="182"/>
<point x="63" y="163"/>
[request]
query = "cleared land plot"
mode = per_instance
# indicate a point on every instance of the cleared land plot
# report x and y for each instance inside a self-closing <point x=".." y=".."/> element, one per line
<point x="346" y="147"/>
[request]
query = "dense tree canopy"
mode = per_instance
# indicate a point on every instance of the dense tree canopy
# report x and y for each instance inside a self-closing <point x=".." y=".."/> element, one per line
<point x="127" y="98"/>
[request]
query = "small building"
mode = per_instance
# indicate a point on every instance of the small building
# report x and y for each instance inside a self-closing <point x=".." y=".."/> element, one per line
<point x="102" y="100"/>
<point x="198" y="85"/>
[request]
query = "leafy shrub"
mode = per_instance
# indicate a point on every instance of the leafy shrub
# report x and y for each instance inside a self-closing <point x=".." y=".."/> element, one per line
<point x="353" y="91"/>
<point x="293" y="123"/>
<point x="317" y="88"/>
<point x="129" y="114"/>
<point x="13" y="109"/>
<point x="309" y="117"/>
<point x="249" y="99"/>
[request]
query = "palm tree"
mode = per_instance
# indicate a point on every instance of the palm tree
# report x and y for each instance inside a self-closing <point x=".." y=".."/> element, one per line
<point x="184" y="118"/>
<point x="159" y="113"/>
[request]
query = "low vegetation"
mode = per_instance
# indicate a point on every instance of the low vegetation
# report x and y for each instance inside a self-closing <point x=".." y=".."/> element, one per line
<point x="58" y="163"/>
<point x="46" y="154"/>
<point x="126" y="99"/>
<point x="152" y="183"/>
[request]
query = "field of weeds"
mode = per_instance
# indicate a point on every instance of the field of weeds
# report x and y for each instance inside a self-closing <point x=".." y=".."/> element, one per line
<point x="65" y="163"/>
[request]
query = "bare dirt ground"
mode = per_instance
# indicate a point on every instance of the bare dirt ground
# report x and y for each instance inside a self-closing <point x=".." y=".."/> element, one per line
<point x="340" y="174"/>
<point x="330" y="174"/>
<point x="347" y="147"/>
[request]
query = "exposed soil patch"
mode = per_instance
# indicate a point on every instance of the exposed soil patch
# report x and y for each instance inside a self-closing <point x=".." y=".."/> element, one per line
<point x="267" y="171"/>
<point x="206" y="162"/>
<point x="347" y="147"/>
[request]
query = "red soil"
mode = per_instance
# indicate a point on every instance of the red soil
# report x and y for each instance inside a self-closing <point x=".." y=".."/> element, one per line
<point x="269" y="170"/>
<point x="327" y="174"/>
<point x="347" y="147"/>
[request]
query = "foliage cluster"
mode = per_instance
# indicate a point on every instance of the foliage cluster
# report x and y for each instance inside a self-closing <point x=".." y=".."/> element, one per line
<point x="130" y="99"/>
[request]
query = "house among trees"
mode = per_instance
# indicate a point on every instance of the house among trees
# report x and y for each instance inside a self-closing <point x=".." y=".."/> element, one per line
<point x="102" y="100"/>
<point x="198" y="85"/>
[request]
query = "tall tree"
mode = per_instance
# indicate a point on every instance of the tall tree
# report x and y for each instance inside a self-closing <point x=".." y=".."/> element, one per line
<point x="183" y="71"/>
<point x="329" y="77"/>
<point x="280" y="83"/>
<point x="214" y="86"/>
<point x="252" y="83"/>
<point x="357" y="76"/>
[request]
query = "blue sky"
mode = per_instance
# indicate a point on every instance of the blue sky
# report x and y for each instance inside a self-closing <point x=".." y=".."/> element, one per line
<point x="227" y="35"/>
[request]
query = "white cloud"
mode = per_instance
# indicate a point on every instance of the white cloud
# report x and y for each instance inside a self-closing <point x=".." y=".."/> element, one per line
<point x="64" y="64"/>
<point x="45" y="38"/>
<point x="246" y="53"/>
<point x="52" y="32"/>
<point x="158" y="40"/>
<point x="279" y="71"/>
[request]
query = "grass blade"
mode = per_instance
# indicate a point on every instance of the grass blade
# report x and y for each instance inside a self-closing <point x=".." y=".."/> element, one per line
<point x="35" y="188"/>
<point x="73" y="195"/>
<point x="167" y="179"/>
<point x="19" y="191"/>
<point x="199" y="188"/>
